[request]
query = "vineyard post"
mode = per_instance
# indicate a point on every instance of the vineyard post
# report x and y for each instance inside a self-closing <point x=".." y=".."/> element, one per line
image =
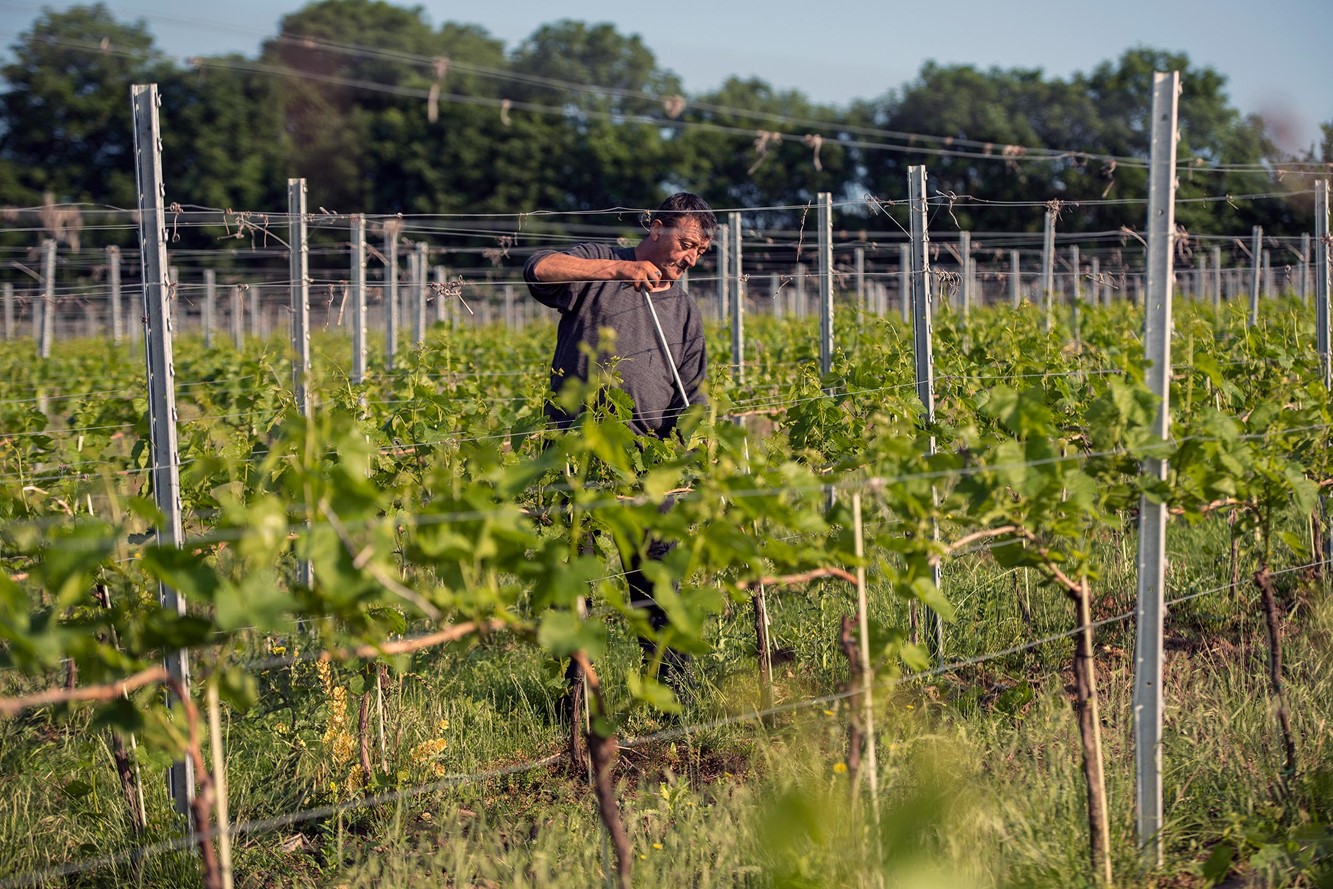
<point x="1048" y="270"/>
<point x="437" y="275"/>
<point x="905" y="281"/>
<point x="419" y="296"/>
<point x="1305" y="269"/>
<point x="774" y="295"/>
<point x="965" y="267"/>
<point x="1322" y="286"/>
<point x="1321" y="280"/>
<point x="825" y="200"/>
<point x="1075" y="289"/>
<point x="1152" y="516"/>
<point x="1015" y="280"/>
<point x="9" y="310"/>
<point x="1216" y="267"/>
<point x="737" y="289"/>
<point x="723" y="245"/>
<point x="922" y="349"/>
<point x="238" y="316"/>
<point x="210" y="305"/>
<point x="161" y="387"/>
<point x="300" y="302"/>
<point x="358" y="271"/>
<point x="390" y="291"/>
<point x="252" y="297"/>
<point x="1269" y="282"/>
<point x="1256" y="257"/>
<point x="48" y="328"/>
<point x="299" y="266"/>
<point x="113" y="279"/>
<point x="513" y="317"/>
<point x="1095" y="273"/>
<point x="859" y="259"/>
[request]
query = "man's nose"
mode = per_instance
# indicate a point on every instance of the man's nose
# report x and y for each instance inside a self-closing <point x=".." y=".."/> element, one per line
<point x="691" y="258"/>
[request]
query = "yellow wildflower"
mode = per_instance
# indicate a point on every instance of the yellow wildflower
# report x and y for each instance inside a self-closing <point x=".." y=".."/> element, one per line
<point x="840" y="768"/>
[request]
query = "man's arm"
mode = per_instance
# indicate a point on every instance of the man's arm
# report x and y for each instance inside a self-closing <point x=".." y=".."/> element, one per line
<point x="562" y="268"/>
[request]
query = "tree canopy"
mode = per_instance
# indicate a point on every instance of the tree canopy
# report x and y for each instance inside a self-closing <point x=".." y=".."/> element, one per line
<point x="383" y="112"/>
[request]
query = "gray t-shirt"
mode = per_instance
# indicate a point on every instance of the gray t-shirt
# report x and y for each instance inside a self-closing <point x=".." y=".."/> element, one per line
<point x="588" y="306"/>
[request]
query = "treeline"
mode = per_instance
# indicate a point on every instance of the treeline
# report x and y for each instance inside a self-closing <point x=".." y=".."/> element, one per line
<point x="383" y="113"/>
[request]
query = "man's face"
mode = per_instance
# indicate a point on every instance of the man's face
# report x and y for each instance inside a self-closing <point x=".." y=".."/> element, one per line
<point x="677" y="248"/>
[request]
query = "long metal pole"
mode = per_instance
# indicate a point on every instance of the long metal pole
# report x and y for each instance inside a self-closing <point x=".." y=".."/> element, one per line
<point x="1256" y="267"/>
<point x="666" y="352"/>
<point x="905" y="281"/>
<point x="419" y="295"/>
<point x="825" y="201"/>
<point x="210" y="305"/>
<point x="48" y="328"/>
<point x="358" y="271"/>
<point x="113" y="280"/>
<point x="161" y="385"/>
<point x="300" y="303"/>
<point x="737" y="299"/>
<point x="1015" y="280"/>
<point x="238" y="316"/>
<point x="1322" y="285"/>
<point x="300" y="293"/>
<point x="1321" y="280"/>
<point x="1048" y="271"/>
<point x="9" y="310"/>
<point x="1304" y="284"/>
<point x="390" y="292"/>
<point x="922" y="345"/>
<point x="1075" y="289"/>
<point x="722" y="245"/>
<point x="859" y="258"/>
<point x="965" y="265"/>
<point x="1152" y="515"/>
<point x="1217" y="277"/>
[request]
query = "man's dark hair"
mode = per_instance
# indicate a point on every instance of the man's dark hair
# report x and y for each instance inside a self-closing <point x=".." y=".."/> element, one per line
<point x="684" y="205"/>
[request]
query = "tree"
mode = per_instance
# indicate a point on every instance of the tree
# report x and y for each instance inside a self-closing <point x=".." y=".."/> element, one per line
<point x="67" y="126"/>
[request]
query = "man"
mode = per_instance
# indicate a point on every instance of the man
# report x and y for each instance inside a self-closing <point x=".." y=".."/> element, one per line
<point x="596" y="286"/>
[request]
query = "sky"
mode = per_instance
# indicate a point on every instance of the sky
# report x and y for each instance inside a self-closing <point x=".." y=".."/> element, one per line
<point x="1276" y="55"/>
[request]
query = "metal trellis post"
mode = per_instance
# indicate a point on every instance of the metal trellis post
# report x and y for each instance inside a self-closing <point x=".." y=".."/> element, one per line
<point x="161" y="386"/>
<point x="1304" y="283"/>
<point x="238" y="316"/>
<point x="737" y="298"/>
<point x="113" y="279"/>
<point x="419" y="295"/>
<point x="922" y="348"/>
<point x="859" y="259"/>
<point x="300" y="303"/>
<point x="965" y="265"/>
<point x="48" y="326"/>
<point x="210" y="305"/>
<point x="825" y="201"/>
<point x="723" y="247"/>
<point x="1322" y="286"/>
<point x="1015" y="280"/>
<point x="358" y="271"/>
<point x="1217" y="277"/>
<point x="1048" y="270"/>
<point x="390" y="292"/>
<point x="905" y="281"/>
<point x="1152" y="516"/>
<point x="9" y="310"/>
<point x="1256" y="267"/>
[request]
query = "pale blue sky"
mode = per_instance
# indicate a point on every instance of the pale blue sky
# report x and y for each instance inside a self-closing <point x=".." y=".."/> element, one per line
<point x="1277" y="55"/>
